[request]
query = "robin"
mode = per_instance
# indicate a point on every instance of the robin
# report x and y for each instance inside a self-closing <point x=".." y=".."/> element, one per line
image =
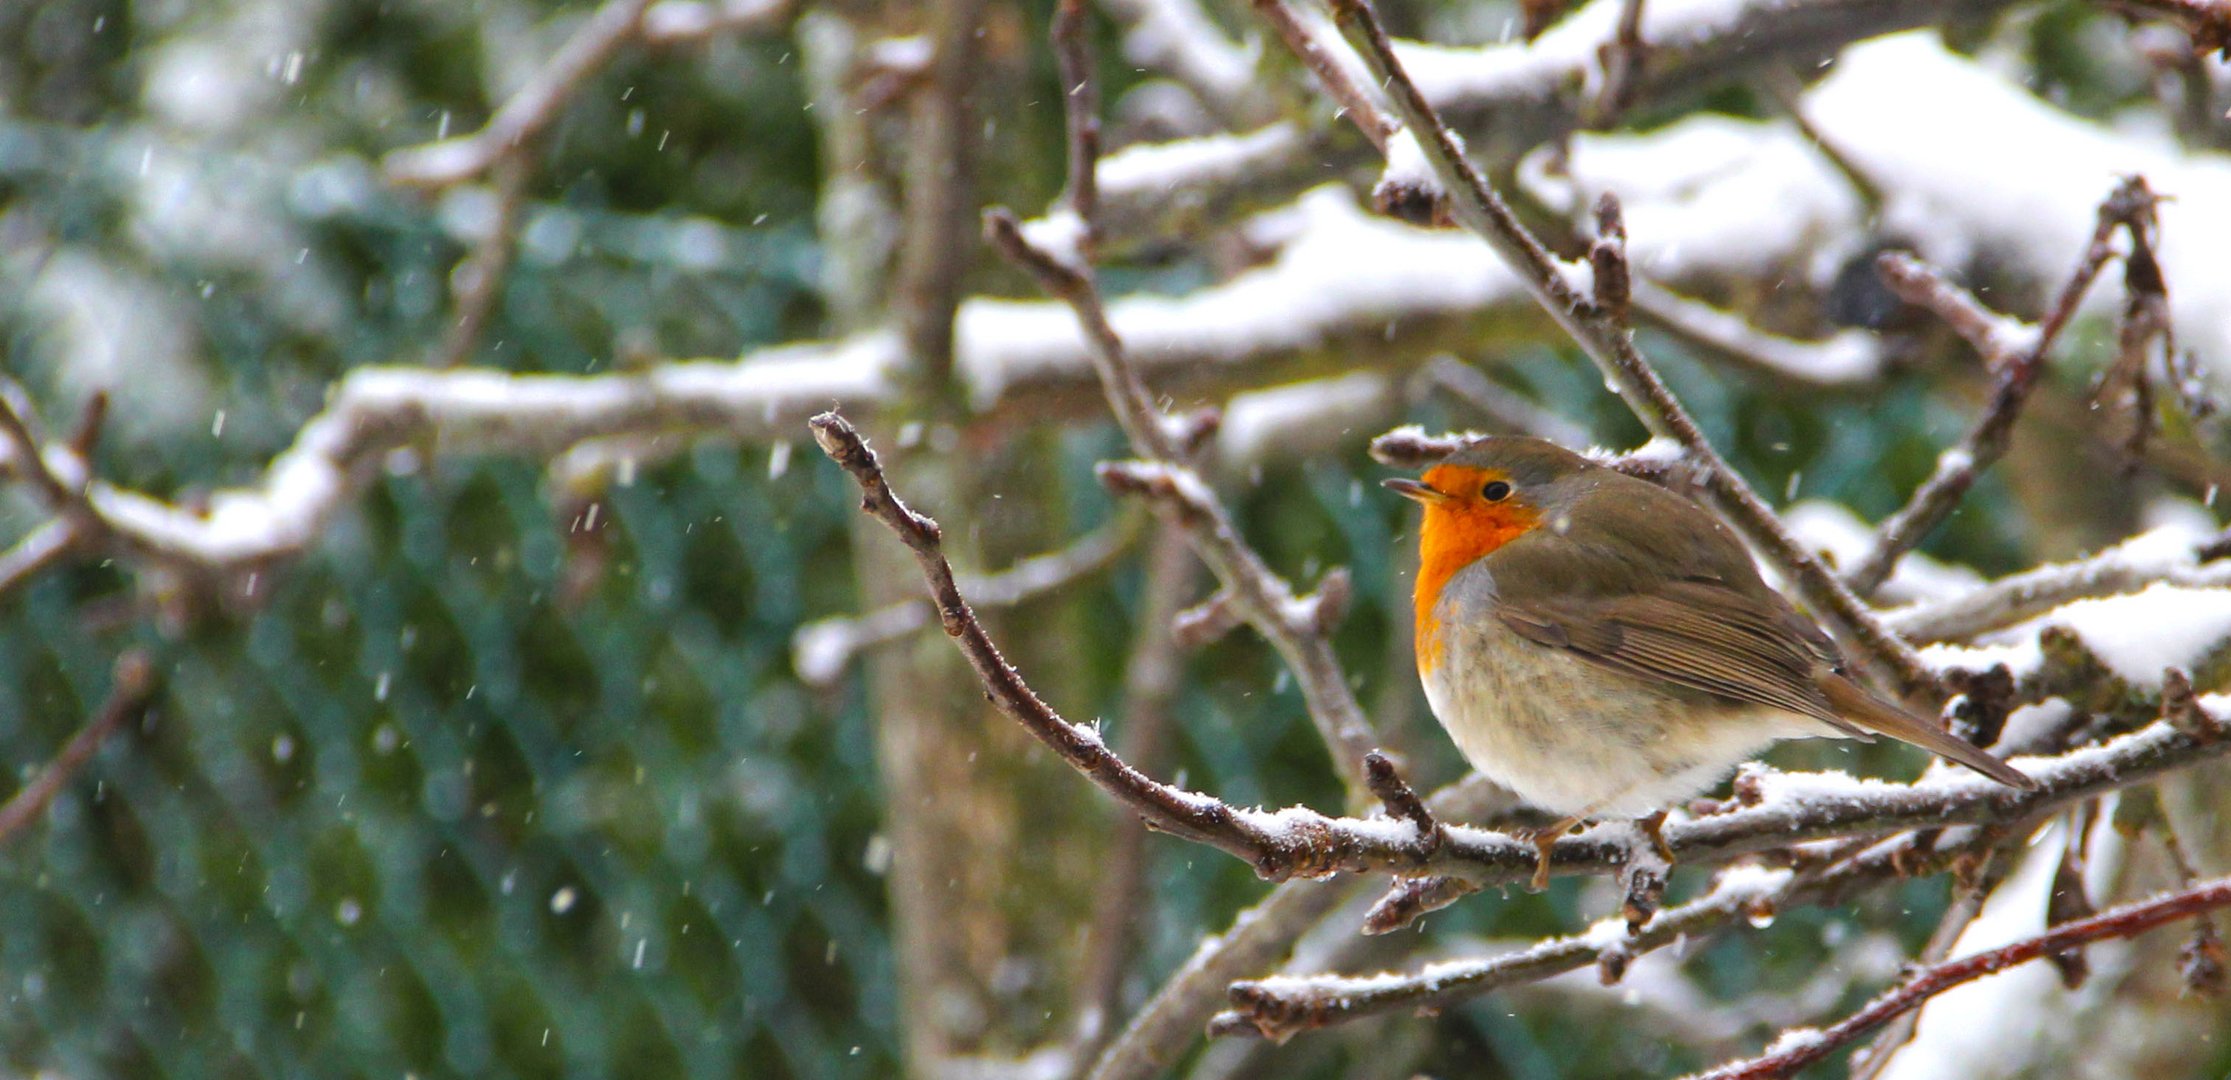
<point x="1604" y="648"/>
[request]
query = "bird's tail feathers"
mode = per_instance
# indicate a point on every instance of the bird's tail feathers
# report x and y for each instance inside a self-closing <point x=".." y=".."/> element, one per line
<point x="1874" y="714"/>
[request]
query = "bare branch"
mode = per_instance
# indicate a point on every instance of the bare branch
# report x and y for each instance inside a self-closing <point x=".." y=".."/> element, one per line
<point x="479" y="280"/>
<point x="1401" y="802"/>
<point x="41" y="548"/>
<point x="820" y="651"/>
<point x="1505" y="99"/>
<point x="1609" y="343"/>
<point x="1206" y="621"/>
<point x="1080" y="101"/>
<point x="1071" y="284"/>
<point x="530" y="111"/>
<point x="2013" y="377"/>
<point x="1994" y="337"/>
<point x="1354" y="101"/>
<point x="1795" y="1052"/>
<point x="133" y="683"/>
<point x="535" y="106"/>
<point x="1623" y="57"/>
<point x="1296" y="627"/>
<point x="1291" y="624"/>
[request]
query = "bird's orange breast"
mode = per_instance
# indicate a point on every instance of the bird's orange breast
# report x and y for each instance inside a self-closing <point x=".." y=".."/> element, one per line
<point x="1452" y="537"/>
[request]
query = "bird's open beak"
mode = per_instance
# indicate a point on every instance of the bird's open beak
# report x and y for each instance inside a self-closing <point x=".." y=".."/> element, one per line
<point x="1414" y="490"/>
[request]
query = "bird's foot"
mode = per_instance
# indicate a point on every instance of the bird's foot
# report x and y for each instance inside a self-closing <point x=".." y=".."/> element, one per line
<point x="1653" y="826"/>
<point x="1544" y="840"/>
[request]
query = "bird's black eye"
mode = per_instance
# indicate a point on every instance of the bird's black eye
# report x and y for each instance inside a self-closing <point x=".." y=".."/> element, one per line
<point x="1495" y="491"/>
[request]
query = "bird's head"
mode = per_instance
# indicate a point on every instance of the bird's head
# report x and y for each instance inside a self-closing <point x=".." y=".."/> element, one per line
<point x="1489" y="493"/>
<point x="1479" y="498"/>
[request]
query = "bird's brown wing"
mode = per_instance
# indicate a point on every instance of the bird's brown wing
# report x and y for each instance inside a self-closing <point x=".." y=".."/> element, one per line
<point x="1698" y="634"/>
<point x="1706" y="636"/>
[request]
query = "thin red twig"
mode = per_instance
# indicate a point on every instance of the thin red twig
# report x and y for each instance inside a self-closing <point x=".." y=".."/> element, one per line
<point x="2129" y="920"/>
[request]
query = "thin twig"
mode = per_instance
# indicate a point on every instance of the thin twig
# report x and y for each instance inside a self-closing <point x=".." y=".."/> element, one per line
<point x="1297" y="628"/>
<point x="1622" y="58"/>
<point x="530" y="111"/>
<point x="481" y="277"/>
<point x="1610" y="344"/>
<point x="43" y="547"/>
<point x="1994" y="337"/>
<point x="821" y="650"/>
<point x="2130" y="920"/>
<point x="1072" y="284"/>
<point x="2013" y="377"/>
<point x="1151" y="680"/>
<point x="71" y="500"/>
<point x="1401" y="802"/>
<point x="1080" y="101"/>
<point x="133" y="682"/>
<point x="1354" y="100"/>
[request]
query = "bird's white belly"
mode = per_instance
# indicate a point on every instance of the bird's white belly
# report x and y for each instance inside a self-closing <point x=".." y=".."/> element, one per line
<point x="1576" y="738"/>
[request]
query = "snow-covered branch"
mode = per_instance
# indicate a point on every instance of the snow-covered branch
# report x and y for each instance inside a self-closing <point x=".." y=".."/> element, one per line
<point x="1504" y="99"/>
